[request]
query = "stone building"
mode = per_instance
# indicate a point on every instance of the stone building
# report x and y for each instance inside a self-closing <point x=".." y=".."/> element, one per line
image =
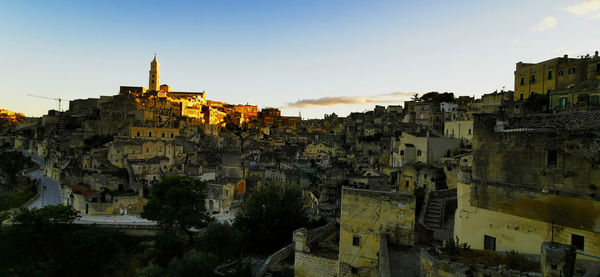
<point x="556" y="73"/>
<point x="534" y="179"/>
<point x="366" y="217"/>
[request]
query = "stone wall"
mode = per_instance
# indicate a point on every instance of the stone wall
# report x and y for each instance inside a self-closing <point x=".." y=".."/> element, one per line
<point x="514" y="227"/>
<point x="433" y="267"/>
<point x="306" y="264"/>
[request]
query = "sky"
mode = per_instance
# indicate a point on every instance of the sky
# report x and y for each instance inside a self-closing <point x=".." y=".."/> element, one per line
<point x="304" y="57"/>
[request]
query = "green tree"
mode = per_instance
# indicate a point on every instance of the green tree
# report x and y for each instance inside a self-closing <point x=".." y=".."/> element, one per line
<point x="177" y="203"/>
<point x="193" y="264"/>
<point x="45" y="242"/>
<point x="269" y="216"/>
<point x="223" y="240"/>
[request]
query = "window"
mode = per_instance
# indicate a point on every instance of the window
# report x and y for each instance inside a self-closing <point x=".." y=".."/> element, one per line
<point x="552" y="158"/>
<point x="401" y="152"/>
<point x="354" y="270"/>
<point x="594" y="100"/>
<point x="138" y="134"/>
<point x="563" y="102"/>
<point x="419" y="153"/>
<point x="406" y="184"/>
<point x="469" y="131"/>
<point x="489" y="243"/>
<point x="171" y="135"/>
<point x="561" y="73"/>
<point x="577" y="241"/>
<point x="532" y="78"/>
<point x="163" y="135"/>
<point x="355" y="240"/>
<point x="147" y="150"/>
<point x="522" y="80"/>
<point x="598" y="67"/>
<point x="150" y="134"/>
<point x="549" y="74"/>
<point x="571" y="70"/>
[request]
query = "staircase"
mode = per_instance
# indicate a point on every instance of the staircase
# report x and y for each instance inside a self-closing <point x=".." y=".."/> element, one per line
<point x="434" y="212"/>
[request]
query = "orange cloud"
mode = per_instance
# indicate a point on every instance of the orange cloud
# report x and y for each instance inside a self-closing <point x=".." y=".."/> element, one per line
<point x="388" y="98"/>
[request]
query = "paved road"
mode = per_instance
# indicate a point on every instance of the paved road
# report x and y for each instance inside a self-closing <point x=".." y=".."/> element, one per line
<point x="50" y="193"/>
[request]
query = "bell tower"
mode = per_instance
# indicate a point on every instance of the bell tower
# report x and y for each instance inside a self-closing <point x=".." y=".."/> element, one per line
<point x="154" y="77"/>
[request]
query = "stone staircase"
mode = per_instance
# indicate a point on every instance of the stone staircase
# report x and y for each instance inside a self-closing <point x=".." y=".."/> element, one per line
<point x="433" y="218"/>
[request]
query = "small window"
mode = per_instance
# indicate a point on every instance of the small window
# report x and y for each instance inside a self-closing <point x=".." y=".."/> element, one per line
<point x="138" y="134"/>
<point x="522" y="80"/>
<point x="406" y="184"/>
<point x="563" y="102"/>
<point x="489" y="243"/>
<point x="521" y="97"/>
<point x="355" y="240"/>
<point x="561" y="73"/>
<point x="150" y="134"/>
<point x="163" y="135"/>
<point x="401" y="152"/>
<point x="549" y="74"/>
<point x="552" y="158"/>
<point x="577" y="241"/>
<point x="571" y="70"/>
<point x="419" y="153"/>
<point x="354" y="270"/>
<point x="469" y="131"/>
<point x="147" y="150"/>
<point x="171" y="135"/>
<point x="533" y="78"/>
<point x="594" y="100"/>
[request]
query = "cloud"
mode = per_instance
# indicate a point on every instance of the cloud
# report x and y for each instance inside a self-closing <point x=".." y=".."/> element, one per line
<point x="547" y="23"/>
<point x="587" y="8"/>
<point x="388" y="98"/>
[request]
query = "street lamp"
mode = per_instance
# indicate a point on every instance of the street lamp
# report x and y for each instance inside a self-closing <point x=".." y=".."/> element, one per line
<point x="43" y="189"/>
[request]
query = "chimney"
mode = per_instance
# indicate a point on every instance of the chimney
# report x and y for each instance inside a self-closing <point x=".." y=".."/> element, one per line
<point x="566" y="56"/>
<point x="596" y="55"/>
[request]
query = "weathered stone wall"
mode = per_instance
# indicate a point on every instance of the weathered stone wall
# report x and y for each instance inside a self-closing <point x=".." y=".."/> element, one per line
<point x="310" y="265"/>
<point x="522" y="158"/>
<point x="367" y="215"/>
<point x="522" y="220"/>
<point x="432" y="267"/>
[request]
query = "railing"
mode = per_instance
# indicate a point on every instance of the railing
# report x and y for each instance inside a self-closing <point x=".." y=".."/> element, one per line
<point x="283" y="253"/>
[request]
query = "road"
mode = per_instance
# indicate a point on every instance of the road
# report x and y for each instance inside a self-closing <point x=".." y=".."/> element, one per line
<point x="50" y="193"/>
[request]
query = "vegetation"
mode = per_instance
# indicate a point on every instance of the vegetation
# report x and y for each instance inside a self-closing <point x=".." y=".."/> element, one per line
<point x="462" y="253"/>
<point x="536" y="103"/>
<point x="97" y="141"/>
<point x="263" y="225"/>
<point x="269" y="217"/>
<point x="15" y="189"/>
<point x="45" y="242"/>
<point x="177" y="203"/>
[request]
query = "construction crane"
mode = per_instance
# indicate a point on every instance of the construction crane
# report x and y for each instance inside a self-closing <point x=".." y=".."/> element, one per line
<point x="55" y="99"/>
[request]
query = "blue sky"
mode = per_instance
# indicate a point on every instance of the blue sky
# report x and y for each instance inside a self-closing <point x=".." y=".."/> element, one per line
<point x="273" y="53"/>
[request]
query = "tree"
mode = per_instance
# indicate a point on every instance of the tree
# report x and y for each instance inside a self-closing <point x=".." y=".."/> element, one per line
<point x="177" y="203"/>
<point x="223" y="240"/>
<point x="269" y="217"/>
<point x="45" y="242"/>
<point x="193" y="264"/>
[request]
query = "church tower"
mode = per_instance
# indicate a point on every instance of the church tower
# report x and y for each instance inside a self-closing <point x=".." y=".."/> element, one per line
<point x="153" y="83"/>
